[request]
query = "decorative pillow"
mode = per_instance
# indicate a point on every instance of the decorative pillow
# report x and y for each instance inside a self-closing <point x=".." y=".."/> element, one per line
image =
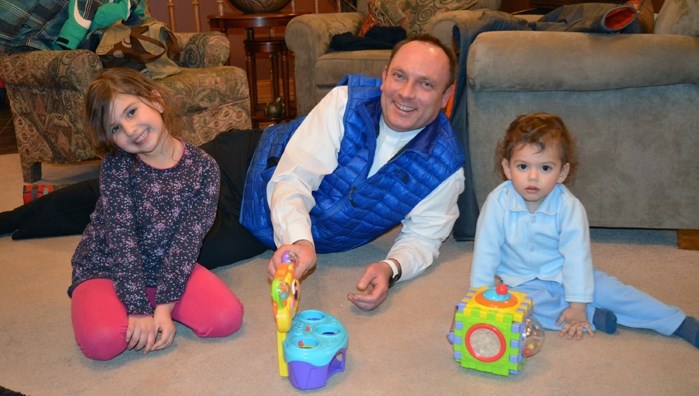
<point x="369" y="22"/>
<point x="411" y="15"/>
<point x="646" y="14"/>
<point x="678" y="17"/>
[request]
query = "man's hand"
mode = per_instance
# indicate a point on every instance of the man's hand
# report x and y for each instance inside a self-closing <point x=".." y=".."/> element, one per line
<point x="374" y="284"/>
<point x="574" y="321"/>
<point x="304" y="253"/>
<point x="164" y="326"/>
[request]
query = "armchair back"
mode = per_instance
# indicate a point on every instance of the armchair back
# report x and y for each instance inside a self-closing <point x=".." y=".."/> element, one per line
<point x="46" y="94"/>
<point x="318" y="69"/>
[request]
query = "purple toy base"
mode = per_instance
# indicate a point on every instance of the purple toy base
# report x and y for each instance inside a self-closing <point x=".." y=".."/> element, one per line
<point x="305" y="376"/>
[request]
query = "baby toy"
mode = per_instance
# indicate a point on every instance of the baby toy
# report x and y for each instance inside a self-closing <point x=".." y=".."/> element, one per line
<point x="315" y="349"/>
<point x="311" y="346"/>
<point x="285" y="292"/>
<point x="85" y="16"/>
<point x="494" y="331"/>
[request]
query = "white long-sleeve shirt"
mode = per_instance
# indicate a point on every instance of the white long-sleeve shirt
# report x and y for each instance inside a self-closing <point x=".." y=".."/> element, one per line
<point x="312" y="153"/>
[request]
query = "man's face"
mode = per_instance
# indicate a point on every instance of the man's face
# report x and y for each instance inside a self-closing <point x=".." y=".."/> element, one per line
<point x="414" y="86"/>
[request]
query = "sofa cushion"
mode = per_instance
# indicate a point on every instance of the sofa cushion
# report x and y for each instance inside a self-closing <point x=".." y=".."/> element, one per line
<point x="331" y="67"/>
<point x="678" y="17"/>
<point x="411" y="15"/>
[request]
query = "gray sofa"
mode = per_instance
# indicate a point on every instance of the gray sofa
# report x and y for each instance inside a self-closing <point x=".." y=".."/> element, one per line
<point x="631" y="100"/>
<point x="317" y="69"/>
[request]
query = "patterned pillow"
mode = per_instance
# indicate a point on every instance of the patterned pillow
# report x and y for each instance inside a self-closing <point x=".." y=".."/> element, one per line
<point x="411" y="15"/>
<point x="646" y="15"/>
<point x="678" y="17"/>
<point x="369" y="22"/>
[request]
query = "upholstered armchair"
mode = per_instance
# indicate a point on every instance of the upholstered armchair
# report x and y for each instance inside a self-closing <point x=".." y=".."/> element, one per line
<point x="46" y="93"/>
<point x="317" y="69"/>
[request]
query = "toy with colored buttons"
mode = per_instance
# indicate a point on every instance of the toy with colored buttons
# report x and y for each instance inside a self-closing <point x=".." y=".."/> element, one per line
<point x="285" y="291"/>
<point x="315" y="349"/>
<point x="494" y="330"/>
<point x="311" y="346"/>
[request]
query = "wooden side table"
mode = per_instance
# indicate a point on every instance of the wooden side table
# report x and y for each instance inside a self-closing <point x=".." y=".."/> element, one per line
<point x="268" y="44"/>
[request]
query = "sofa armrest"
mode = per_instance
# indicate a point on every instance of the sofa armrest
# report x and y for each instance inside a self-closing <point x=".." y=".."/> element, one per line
<point x="521" y="61"/>
<point x="308" y="36"/>
<point x="442" y="24"/>
<point x="207" y="49"/>
<point x="72" y="70"/>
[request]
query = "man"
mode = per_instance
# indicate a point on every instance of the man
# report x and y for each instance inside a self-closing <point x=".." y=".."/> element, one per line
<point x="374" y="153"/>
<point x="406" y="109"/>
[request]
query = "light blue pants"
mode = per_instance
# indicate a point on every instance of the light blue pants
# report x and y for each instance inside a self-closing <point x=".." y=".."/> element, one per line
<point x="632" y="307"/>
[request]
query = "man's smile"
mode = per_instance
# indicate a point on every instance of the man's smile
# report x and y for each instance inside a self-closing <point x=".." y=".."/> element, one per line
<point x="403" y="107"/>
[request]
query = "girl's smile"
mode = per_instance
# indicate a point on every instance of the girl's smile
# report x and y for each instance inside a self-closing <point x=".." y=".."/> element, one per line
<point x="137" y="127"/>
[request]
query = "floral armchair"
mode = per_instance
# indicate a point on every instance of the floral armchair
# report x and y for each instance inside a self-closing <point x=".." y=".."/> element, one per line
<point x="46" y="93"/>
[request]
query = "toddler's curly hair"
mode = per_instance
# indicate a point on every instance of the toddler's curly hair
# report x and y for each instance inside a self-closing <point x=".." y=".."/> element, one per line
<point x="539" y="129"/>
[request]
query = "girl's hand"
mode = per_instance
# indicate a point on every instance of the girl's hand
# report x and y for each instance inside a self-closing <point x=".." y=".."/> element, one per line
<point x="164" y="326"/>
<point x="574" y="321"/>
<point x="141" y="333"/>
<point x="305" y="254"/>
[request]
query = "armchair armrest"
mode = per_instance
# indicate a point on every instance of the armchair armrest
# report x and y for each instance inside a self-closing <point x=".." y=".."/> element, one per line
<point x="72" y="70"/>
<point x="521" y="61"/>
<point x="441" y="25"/>
<point x="207" y="49"/>
<point x="309" y="35"/>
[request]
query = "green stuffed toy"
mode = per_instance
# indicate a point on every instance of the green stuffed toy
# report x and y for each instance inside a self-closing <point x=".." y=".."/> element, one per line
<point x="85" y="16"/>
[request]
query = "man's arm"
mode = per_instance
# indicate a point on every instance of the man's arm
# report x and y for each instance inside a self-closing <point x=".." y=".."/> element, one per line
<point x="310" y="155"/>
<point x="424" y="229"/>
<point x="427" y="226"/>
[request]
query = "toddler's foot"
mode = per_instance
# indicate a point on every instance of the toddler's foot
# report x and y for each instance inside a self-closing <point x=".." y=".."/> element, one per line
<point x="604" y="320"/>
<point x="689" y="330"/>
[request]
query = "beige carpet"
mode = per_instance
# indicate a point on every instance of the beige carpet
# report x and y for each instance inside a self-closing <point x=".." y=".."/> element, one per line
<point x="400" y="348"/>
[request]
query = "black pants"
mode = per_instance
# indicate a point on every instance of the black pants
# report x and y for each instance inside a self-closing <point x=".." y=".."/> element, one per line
<point x="67" y="211"/>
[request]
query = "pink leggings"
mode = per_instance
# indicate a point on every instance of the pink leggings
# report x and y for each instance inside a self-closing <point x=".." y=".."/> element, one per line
<point x="100" y="321"/>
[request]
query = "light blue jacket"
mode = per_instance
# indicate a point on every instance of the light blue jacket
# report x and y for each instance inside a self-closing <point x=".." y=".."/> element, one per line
<point x="552" y="243"/>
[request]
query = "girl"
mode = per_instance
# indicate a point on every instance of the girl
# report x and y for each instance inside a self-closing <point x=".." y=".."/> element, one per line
<point x="135" y="269"/>
<point x="532" y="234"/>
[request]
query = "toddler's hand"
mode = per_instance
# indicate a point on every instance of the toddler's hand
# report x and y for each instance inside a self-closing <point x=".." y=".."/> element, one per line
<point x="574" y="321"/>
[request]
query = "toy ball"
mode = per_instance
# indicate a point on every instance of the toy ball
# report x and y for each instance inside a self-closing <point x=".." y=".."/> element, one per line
<point x="532" y="337"/>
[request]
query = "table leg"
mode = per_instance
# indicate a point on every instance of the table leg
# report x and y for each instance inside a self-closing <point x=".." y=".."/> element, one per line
<point x="275" y="75"/>
<point x="285" y="81"/>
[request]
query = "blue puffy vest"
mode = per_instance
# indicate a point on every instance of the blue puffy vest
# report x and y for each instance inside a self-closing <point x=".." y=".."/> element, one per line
<point x="351" y="209"/>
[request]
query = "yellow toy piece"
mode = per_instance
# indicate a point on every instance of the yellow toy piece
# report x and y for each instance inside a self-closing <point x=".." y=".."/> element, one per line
<point x="285" y="291"/>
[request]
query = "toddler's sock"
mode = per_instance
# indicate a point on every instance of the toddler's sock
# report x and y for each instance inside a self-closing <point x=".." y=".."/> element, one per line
<point x="604" y="320"/>
<point x="689" y="330"/>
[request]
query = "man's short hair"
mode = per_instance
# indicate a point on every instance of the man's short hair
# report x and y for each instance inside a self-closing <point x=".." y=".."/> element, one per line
<point x="427" y="38"/>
